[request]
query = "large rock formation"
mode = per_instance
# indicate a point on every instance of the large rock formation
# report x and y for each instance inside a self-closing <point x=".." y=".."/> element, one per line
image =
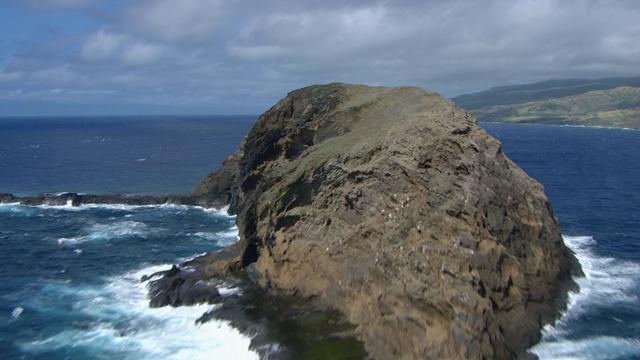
<point x="392" y="206"/>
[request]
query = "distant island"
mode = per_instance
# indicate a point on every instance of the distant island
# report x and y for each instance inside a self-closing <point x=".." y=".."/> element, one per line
<point x="613" y="102"/>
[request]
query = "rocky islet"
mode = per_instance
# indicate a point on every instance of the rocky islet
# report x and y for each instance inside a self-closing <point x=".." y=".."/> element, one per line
<point x="394" y="207"/>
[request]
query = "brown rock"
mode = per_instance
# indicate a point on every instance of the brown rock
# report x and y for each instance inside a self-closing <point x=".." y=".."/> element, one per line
<point x="393" y="206"/>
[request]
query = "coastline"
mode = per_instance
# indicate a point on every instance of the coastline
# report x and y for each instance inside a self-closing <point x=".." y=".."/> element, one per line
<point x="558" y="125"/>
<point x="76" y="199"/>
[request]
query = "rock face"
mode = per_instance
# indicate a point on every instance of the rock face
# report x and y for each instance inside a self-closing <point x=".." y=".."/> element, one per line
<point x="392" y="206"/>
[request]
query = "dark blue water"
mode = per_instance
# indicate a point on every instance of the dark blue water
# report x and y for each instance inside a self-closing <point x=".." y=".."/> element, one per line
<point x="71" y="276"/>
<point x="133" y="155"/>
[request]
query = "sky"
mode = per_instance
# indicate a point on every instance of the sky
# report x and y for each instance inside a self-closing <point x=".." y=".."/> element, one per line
<point x="202" y="57"/>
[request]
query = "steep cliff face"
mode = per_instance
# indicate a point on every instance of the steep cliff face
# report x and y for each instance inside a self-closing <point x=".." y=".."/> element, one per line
<point x="394" y="207"/>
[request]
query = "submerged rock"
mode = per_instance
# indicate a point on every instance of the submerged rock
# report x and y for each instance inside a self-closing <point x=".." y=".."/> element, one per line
<point x="177" y="287"/>
<point x="394" y="207"/>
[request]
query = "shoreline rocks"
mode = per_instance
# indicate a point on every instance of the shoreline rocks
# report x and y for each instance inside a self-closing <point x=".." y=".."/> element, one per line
<point x="74" y="199"/>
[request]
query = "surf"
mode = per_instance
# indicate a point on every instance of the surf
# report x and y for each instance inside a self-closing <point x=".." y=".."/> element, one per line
<point x="115" y="321"/>
<point x="82" y="294"/>
<point x="608" y="293"/>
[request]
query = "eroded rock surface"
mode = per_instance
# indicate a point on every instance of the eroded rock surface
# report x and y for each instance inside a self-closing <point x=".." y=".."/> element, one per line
<point x="394" y="207"/>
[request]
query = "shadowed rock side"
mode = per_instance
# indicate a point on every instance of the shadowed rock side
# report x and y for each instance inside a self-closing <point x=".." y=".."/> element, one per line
<point x="392" y="206"/>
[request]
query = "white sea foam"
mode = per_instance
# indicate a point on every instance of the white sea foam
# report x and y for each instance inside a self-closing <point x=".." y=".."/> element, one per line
<point x="83" y="207"/>
<point x="17" y="207"/>
<point x="73" y="240"/>
<point x="596" y="127"/>
<point x="608" y="282"/>
<point x="16" y="312"/>
<point x="223" y="212"/>
<point x="12" y="208"/>
<point x="229" y="291"/>
<point x="212" y="236"/>
<point x="125" y="326"/>
<point x="597" y="348"/>
<point x="223" y="238"/>
<point x="229" y="234"/>
<point x="67" y="206"/>
<point x="115" y="230"/>
<point x="119" y="229"/>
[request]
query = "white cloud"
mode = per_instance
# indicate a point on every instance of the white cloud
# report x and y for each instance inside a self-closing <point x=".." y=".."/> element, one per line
<point x="253" y="52"/>
<point x="55" y="75"/>
<point x="328" y="32"/>
<point x="170" y="20"/>
<point x="9" y="77"/>
<point x="258" y="52"/>
<point x="142" y="54"/>
<point x="102" y="46"/>
<point x="451" y="44"/>
<point x="109" y="47"/>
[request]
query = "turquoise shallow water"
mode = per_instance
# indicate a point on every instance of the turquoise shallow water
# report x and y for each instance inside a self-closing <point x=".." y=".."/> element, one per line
<point x="71" y="276"/>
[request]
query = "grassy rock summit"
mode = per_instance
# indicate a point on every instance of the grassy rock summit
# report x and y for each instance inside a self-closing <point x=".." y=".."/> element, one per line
<point x="604" y="102"/>
<point x="392" y="206"/>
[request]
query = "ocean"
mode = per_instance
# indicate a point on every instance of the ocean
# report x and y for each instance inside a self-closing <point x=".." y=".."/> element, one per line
<point x="71" y="284"/>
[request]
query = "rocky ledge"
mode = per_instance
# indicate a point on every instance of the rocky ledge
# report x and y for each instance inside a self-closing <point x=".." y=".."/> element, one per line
<point x="392" y="206"/>
<point x="75" y="199"/>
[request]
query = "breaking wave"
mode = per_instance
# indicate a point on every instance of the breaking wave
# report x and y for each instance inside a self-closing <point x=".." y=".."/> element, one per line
<point x="609" y="296"/>
<point x="115" y="321"/>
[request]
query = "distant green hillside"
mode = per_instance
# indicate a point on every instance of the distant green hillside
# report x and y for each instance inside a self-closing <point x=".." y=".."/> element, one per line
<point x="551" y="89"/>
<point x="605" y="102"/>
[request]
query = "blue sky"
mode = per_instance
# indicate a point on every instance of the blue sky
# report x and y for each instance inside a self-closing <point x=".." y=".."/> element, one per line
<point x="114" y="57"/>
